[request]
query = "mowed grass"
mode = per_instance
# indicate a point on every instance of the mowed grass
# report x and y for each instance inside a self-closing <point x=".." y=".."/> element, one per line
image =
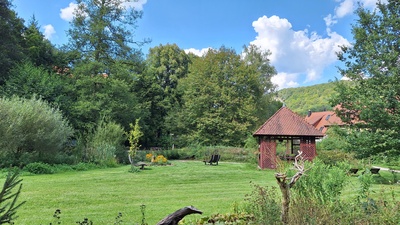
<point x="101" y="194"/>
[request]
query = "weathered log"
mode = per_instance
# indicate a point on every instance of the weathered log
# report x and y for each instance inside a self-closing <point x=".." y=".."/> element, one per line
<point x="175" y="217"/>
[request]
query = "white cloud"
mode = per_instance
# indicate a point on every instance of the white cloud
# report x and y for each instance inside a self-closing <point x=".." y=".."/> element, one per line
<point x="345" y="8"/>
<point x="67" y="13"/>
<point x="285" y="80"/>
<point x="48" y="31"/>
<point x="136" y="4"/>
<point x="330" y="20"/>
<point x="198" y="52"/>
<point x="296" y="52"/>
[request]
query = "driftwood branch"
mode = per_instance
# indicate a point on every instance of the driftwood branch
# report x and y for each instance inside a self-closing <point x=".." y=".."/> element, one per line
<point x="175" y="217"/>
<point x="285" y="186"/>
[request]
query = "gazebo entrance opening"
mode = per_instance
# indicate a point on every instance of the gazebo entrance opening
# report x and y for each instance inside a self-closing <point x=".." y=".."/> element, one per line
<point x="286" y="148"/>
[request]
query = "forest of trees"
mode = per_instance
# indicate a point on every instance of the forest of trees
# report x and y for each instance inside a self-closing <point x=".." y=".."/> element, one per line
<point x="302" y="99"/>
<point x="88" y="92"/>
<point x="100" y="82"/>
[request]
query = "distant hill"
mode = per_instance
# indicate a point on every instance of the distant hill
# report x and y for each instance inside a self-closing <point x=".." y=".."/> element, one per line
<point x="302" y="99"/>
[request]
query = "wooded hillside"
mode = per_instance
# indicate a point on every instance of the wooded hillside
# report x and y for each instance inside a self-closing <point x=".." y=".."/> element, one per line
<point x="302" y="99"/>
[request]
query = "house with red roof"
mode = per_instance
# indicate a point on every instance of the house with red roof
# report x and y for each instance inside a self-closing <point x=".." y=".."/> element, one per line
<point x="323" y="120"/>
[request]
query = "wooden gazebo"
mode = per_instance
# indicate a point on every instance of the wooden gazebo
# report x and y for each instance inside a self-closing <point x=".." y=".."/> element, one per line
<point x="285" y="125"/>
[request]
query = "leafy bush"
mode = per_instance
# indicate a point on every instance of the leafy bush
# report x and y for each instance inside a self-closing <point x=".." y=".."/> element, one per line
<point x="84" y="166"/>
<point x="103" y="143"/>
<point x="39" y="168"/>
<point x="30" y="131"/>
<point x="264" y="204"/>
<point x="323" y="183"/>
<point x="335" y="157"/>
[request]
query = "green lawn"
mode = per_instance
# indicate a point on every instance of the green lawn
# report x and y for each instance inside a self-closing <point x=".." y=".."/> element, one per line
<point x="101" y="194"/>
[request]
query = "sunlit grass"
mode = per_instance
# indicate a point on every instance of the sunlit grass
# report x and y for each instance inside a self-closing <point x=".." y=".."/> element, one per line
<point x="102" y="193"/>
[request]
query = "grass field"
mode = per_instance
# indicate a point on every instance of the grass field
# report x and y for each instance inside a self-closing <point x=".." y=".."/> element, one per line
<point x="102" y="193"/>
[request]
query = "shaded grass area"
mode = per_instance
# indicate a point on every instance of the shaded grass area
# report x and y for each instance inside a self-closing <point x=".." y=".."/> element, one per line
<point x="102" y="193"/>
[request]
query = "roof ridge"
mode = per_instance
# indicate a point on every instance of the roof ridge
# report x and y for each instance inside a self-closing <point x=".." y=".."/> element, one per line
<point x="286" y="122"/>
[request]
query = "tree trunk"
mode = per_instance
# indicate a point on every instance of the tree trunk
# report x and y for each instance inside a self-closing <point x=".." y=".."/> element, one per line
<point x="285" y="188"/>
<point x="175" y="217"/>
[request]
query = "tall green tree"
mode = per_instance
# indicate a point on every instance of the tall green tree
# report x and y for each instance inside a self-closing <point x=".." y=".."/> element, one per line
<point x="27" y="80"/>
<point x="100" y="95"/>
<point x="11" y="39"/>
<point x="166" y="65"/>
<point x="373" y="95"/>
<point x="220" y="97"/>
<point x="257" y="58"/>
<point x="38" y="49"/>
<point x="103" y="30"/>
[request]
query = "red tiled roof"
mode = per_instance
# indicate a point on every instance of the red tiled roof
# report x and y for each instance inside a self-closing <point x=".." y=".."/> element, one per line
<point x="322" y="120"/>
<point x="287" y="123"/>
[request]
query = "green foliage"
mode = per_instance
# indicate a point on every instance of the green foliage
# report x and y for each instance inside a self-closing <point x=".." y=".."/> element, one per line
<point x="38" y="49"/>
<point x="104" y="142"/>
<point x="335" y="157"/>
<point x="373" y="95"/>
<point x="39" y="168"/>
<point x="9" y="197"/>
<point x="31" y="127"/>
<point x="220" y="100"/>
<point x="251" y="142"/>
<point x="134" y="169"/>
<point x="134" y="136"/>
<point x="336" y="139"/>
<point x="27" y="80"/>
<point x="98" y="30"/>
<point x="264" y="204"/>
<point x="315" y="98"/>
<point x="157" y="89"/>
<point x="98" y="96"/>
<point x="229" y="218"/>
<point x="323" y="183"/>
<point x="11" y="26"/>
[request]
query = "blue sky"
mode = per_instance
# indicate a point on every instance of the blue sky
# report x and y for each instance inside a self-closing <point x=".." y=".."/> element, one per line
<point x="302" y="36"/>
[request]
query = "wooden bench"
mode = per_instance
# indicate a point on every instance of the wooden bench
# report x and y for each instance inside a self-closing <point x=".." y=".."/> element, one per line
<point x="375" y="170"/>
<point x="353" y="171"/>
<point x="213" y="159"/>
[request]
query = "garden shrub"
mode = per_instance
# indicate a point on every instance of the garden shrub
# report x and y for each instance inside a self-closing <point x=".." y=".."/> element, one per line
<point x="30" y="131"/>
<point x="323" y="183"/>
<point x="335" y="157"/>
<point x="84" y="166"/>
<point x="39" y="168"/>
<point x="103" y="143"/>
<point x="264" y="204"/>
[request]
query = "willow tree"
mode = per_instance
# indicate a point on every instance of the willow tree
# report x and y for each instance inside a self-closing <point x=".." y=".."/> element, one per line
<point x="372" y="64"/>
